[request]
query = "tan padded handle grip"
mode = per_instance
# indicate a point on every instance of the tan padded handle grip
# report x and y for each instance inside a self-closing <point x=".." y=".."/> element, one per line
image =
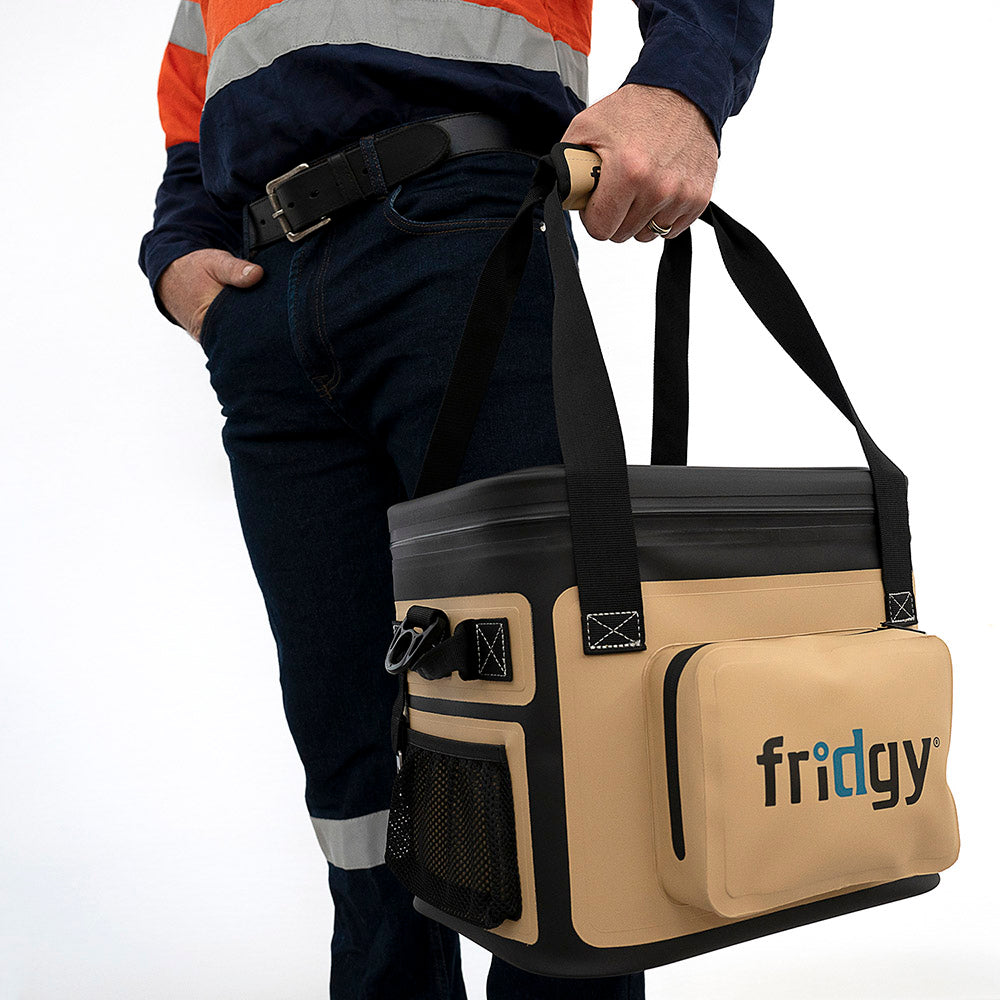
<point x="584" y="171"/>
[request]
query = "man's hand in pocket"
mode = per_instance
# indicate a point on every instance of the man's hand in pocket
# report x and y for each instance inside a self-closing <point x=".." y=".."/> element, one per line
<point x="189" y="284"/>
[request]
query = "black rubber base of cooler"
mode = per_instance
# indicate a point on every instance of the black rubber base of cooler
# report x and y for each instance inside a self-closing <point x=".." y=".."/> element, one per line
<point x="577" y="960"/>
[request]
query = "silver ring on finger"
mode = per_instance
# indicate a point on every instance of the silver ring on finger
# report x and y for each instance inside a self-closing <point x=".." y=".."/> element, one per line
<point x="659" y="230"/>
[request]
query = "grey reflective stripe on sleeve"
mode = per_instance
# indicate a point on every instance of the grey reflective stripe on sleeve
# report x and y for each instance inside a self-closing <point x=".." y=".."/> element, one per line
<point x="353" y="843"/>
<point x="446" y="29"/>
<point x="189" y="29"/>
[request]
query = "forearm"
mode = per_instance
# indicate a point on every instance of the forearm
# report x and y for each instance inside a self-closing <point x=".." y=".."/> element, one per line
<point x="707" y="50"/>
<point x="185" y="219"/>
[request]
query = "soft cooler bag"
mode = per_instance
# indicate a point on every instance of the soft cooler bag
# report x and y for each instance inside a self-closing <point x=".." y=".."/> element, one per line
<point x="647" y="712"/>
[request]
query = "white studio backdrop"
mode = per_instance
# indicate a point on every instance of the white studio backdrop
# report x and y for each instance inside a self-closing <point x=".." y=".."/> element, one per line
<point x="153" y="838"/>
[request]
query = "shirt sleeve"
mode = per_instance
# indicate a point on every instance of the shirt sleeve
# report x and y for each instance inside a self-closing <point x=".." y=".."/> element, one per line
<point x="707" y="50"/>
<point x="185" y="217"/>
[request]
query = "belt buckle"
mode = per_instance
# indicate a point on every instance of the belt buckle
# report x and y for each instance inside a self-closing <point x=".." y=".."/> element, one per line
<point x="279" y="213"/>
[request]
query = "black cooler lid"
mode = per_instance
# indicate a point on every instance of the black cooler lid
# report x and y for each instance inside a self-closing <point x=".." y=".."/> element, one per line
<point x="540" y="493"/>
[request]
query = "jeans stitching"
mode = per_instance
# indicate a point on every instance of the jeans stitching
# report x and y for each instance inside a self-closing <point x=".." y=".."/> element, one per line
<point x="323" y="383"/>
<point x="332" y="380"/>
<point x="294" y="289"/>
<point x="374" y="165"/>
<point x="401" y="222"/>
<point x="405" y="225"/>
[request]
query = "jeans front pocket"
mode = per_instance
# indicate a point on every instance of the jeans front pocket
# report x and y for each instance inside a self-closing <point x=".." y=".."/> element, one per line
<point x="209" y="320"/>
<point x="475" y="191"/>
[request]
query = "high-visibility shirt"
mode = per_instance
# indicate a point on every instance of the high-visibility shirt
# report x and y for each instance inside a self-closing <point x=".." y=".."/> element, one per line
<point x="249" y="88"/>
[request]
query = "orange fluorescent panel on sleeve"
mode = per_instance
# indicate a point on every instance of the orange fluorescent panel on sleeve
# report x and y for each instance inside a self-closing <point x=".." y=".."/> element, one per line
<point x="181" y="93"/>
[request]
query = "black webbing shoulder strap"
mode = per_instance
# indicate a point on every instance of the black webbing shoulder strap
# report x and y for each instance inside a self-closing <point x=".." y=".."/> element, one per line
<point x="604" y="548"/>
<point x="601" y="524"/>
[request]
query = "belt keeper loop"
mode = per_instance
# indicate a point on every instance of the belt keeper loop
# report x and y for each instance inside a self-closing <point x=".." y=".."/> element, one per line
<point x="247" y="235"/>
<point x="367" y="144"/>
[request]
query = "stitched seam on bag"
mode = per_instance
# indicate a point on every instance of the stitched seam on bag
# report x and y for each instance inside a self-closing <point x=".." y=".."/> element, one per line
<point x="614" y="630"/>
<point x="901" y="607"/>
<point x="491" y="653"/>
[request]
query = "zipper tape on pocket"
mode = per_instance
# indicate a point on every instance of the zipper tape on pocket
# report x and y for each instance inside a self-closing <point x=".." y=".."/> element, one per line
<point x="671" y="680"/>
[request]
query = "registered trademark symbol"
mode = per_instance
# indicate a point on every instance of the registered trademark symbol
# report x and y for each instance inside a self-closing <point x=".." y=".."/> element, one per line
<point x="937" y="742"/>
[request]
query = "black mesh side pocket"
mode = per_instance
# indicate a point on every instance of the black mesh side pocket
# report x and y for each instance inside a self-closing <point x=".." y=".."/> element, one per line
<point x="451" y="829"/>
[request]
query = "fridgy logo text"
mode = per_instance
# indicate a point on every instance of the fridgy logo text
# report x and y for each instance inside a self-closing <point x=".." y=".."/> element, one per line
<point x="853" y="769"/>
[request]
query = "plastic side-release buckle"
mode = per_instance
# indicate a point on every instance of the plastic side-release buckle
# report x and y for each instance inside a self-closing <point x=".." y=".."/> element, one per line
<point x="421" y="630"/>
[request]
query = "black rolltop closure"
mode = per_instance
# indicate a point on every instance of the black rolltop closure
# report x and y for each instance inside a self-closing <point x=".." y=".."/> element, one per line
<point x="590" y="435"/>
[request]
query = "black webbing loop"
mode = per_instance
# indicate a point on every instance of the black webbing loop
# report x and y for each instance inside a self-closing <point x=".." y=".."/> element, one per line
<point x="770" y="294"/>
<point x="477" y="649"/>
<point x="397" y="725"/>
<point x="670" y="352"/>
<point x="604" y="548"/>
<point x="605" y="554"/>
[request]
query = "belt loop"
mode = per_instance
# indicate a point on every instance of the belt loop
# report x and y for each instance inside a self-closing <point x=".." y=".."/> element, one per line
<point x="248" y="234"/>
<point x="372" y="162"/>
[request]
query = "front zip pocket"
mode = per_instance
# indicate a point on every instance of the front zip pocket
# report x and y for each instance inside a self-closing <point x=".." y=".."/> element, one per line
<point x="787" y="768"/>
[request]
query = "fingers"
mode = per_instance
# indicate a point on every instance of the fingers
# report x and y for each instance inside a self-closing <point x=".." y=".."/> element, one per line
<point x="636" y="224"/>
<point x="646" y="235"/>
<point x="677" y="218"/>
<point x="610" y="203"/>
<point x="676" y="224"/>
<point x="629" y="195"/>
<point x="689" y="217"/>
<point x="681" y="201"/>
<point x="226" y="269"/>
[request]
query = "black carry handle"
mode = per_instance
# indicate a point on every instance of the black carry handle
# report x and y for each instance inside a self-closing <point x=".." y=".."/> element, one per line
<point x="602" y="529"/>
<point x="770" y="294"/>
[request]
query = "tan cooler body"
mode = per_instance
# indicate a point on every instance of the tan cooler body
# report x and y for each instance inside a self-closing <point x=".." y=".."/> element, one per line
<point x="584" y="736"/>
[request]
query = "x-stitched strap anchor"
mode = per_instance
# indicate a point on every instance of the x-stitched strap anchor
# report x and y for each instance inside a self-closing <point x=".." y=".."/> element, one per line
<point x="614" y="630"/>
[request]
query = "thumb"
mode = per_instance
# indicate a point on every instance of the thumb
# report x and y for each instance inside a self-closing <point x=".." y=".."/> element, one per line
<point x="230" y="270"/>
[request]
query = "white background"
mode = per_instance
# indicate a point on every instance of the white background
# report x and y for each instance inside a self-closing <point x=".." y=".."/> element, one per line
<point x="153" y="838"/>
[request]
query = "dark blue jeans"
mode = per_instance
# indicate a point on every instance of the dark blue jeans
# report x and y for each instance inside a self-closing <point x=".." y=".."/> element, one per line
<point x="329" y="372"/>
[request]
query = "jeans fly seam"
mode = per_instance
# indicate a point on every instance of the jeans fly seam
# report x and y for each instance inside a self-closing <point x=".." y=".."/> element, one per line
<point x="331" y="380"/>
<point x="294" y="284"/>
<point x="321" y="384"/>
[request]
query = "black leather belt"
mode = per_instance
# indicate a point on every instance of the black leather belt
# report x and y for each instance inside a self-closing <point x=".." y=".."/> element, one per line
<point x="300" y="201"/>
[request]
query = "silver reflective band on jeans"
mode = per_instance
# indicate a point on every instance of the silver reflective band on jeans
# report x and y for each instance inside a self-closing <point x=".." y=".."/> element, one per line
<point x="353" y="843"/>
